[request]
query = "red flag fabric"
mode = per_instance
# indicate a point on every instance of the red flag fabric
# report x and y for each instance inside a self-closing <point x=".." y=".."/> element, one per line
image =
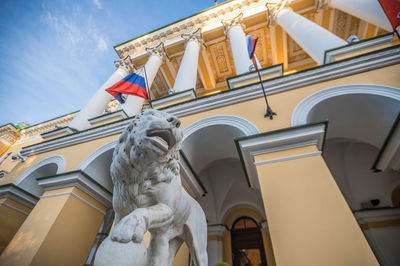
<point x="392" y="11"/>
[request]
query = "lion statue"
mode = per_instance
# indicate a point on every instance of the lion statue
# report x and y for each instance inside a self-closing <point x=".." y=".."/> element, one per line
<point x="148" y="194"/>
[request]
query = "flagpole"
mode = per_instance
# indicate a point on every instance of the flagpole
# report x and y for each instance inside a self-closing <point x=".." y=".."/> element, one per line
<point x="269" y="112"/>
<point x="147" y="87"/>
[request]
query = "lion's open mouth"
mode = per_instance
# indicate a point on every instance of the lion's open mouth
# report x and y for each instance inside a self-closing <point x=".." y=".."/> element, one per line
<point x="162" y="138"/>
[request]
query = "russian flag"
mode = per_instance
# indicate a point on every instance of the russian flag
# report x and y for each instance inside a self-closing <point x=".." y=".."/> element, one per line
<point x="251" y="47"/>
<point x="133" y="84"/>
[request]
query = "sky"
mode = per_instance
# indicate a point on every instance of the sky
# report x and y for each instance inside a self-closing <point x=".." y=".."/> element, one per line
<point x="55" y="54"/>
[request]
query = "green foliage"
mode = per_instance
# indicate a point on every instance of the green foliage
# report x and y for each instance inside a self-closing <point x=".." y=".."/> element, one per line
<point x="223" y="263"/>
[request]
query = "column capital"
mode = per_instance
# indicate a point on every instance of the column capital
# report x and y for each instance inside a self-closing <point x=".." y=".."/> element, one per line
<point x="273" y="9"/>
<point x="229" y="23"/>
<point x="157" y="50"/>
<point x="125" y="63"/>
<point x="195" y="36"/>
<point x="217" y="230"/>
<point x="321" y="4"/>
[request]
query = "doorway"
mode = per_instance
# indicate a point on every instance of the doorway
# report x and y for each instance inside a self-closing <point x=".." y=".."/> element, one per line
<point x="247" y="243"/>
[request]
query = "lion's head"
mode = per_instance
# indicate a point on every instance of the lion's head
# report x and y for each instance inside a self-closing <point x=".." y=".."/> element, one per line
<point x="152" y="140"/>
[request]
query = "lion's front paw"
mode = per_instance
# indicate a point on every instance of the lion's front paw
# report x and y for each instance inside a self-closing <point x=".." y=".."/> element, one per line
<point x="131" y="227"/>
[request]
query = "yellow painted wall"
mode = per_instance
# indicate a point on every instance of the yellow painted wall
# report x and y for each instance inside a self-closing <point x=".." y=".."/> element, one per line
<point x="284" y="103"/>
<point x="10" y="220"/>
<point x="59" y="231"/>
<point x="253" y="110"/>
<point x="308" y="217"/>
<point x="74" y="155"/>
<point x="182" y="257"/>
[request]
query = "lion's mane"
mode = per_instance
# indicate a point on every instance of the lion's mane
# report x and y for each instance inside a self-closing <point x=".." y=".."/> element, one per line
<point x="134" y="162"/>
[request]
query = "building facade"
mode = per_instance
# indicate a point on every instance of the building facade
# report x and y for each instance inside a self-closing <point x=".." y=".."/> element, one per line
<point x="318" y="184"/>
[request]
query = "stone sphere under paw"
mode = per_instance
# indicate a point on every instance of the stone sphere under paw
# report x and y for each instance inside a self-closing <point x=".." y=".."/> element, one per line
<point x="122" y="254"/>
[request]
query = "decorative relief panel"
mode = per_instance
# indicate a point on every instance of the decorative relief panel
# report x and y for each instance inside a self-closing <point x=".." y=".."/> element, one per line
<point x="159" y="88"/>
<point x="263" y="48"/>
<point x="295" y="52"/>
<point x="339" y="27"/>
<point x="220" y="59"/>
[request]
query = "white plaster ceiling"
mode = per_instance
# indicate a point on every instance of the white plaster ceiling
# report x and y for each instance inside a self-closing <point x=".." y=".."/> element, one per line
<point x="211" y="144"/>
<point x="362" y="117"/>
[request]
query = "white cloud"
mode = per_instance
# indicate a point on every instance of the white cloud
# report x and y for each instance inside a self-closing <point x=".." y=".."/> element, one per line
<point x="77" y="33"/>
<point x="98" y="4"/>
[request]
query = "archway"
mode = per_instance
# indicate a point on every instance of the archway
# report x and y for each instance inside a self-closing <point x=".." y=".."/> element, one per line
<point x="97" y="165"/>
<point x="209" y="147"/>
<point x="47" y="167"/>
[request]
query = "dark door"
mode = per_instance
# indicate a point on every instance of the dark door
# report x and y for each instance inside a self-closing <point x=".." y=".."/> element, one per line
<point x="247" y="243"/>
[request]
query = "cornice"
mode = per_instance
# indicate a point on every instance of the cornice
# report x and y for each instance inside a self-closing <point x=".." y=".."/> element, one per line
<point x="355" y="65"/>
<point x="283" y="139"/>
<point x="217" y="230"/>
<point x="209" y="20"/>
<point x="19" y="195"/>
<point x="80" y="180"/>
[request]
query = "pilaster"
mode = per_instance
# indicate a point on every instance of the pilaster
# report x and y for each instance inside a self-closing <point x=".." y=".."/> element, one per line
<point x="215" y="238"/>
<point x="61" y="228"/>
<point x="15" y="206"/>
<point x="308" y="216"/>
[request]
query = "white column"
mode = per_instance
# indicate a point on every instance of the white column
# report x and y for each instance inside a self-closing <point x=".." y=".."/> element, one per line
<point x="134" y="104"/>
<point x="368" y="10"/>
<point x="314" y="39"/>
<point x="98" y="102"/>
<point x="187" y="73"/>
<point x="214" y="243"/>
<point x="238" y="42"/>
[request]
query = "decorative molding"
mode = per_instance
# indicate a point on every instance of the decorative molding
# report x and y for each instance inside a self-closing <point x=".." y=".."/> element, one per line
<point x="14" y="209"/>
<point x="286" y="158"/>
<point x="111" y="145"/>
<point x="374" y="60"/>
<point x="229" y="23"/>
<point x="302" y="110"/>
<point x="57" y="159"/>
<point x="377" y="215"/>
<point x="273" y="8"/>
<point x="80" y="180"/>
<point x="242" y="124"/>
<point x="217" y="230"/>
<point x="157" y="50"/>
<point x="15" y="193"/>
<point x="76" y="196"/>
<point x="58" y="131"/>
<point x="284" y="139"/>
<point x="76" y="138"/>
<point x="359" y="64"/>
<point x="174" y="98"/>
<point x="376" y="43"/>
<point x="189" y="178"/>
<point x="125" y="63"/>
<point x="208" y="20"/>
<point x="252" y="77"/>
<point x="388" y="156"/>
<point x="103" y="118"/>
<point x="195" y="36"/>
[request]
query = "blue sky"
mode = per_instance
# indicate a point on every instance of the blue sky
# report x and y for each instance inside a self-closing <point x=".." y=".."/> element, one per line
<point x="55" y="54"/>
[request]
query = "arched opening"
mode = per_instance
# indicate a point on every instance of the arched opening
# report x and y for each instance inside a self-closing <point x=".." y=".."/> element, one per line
<point x="210" y="149"/>
<point x="247" y="243"/>
<point x="97" y="165"/>
<point x="47" y="167"/>
<point x="360" y="118"/>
